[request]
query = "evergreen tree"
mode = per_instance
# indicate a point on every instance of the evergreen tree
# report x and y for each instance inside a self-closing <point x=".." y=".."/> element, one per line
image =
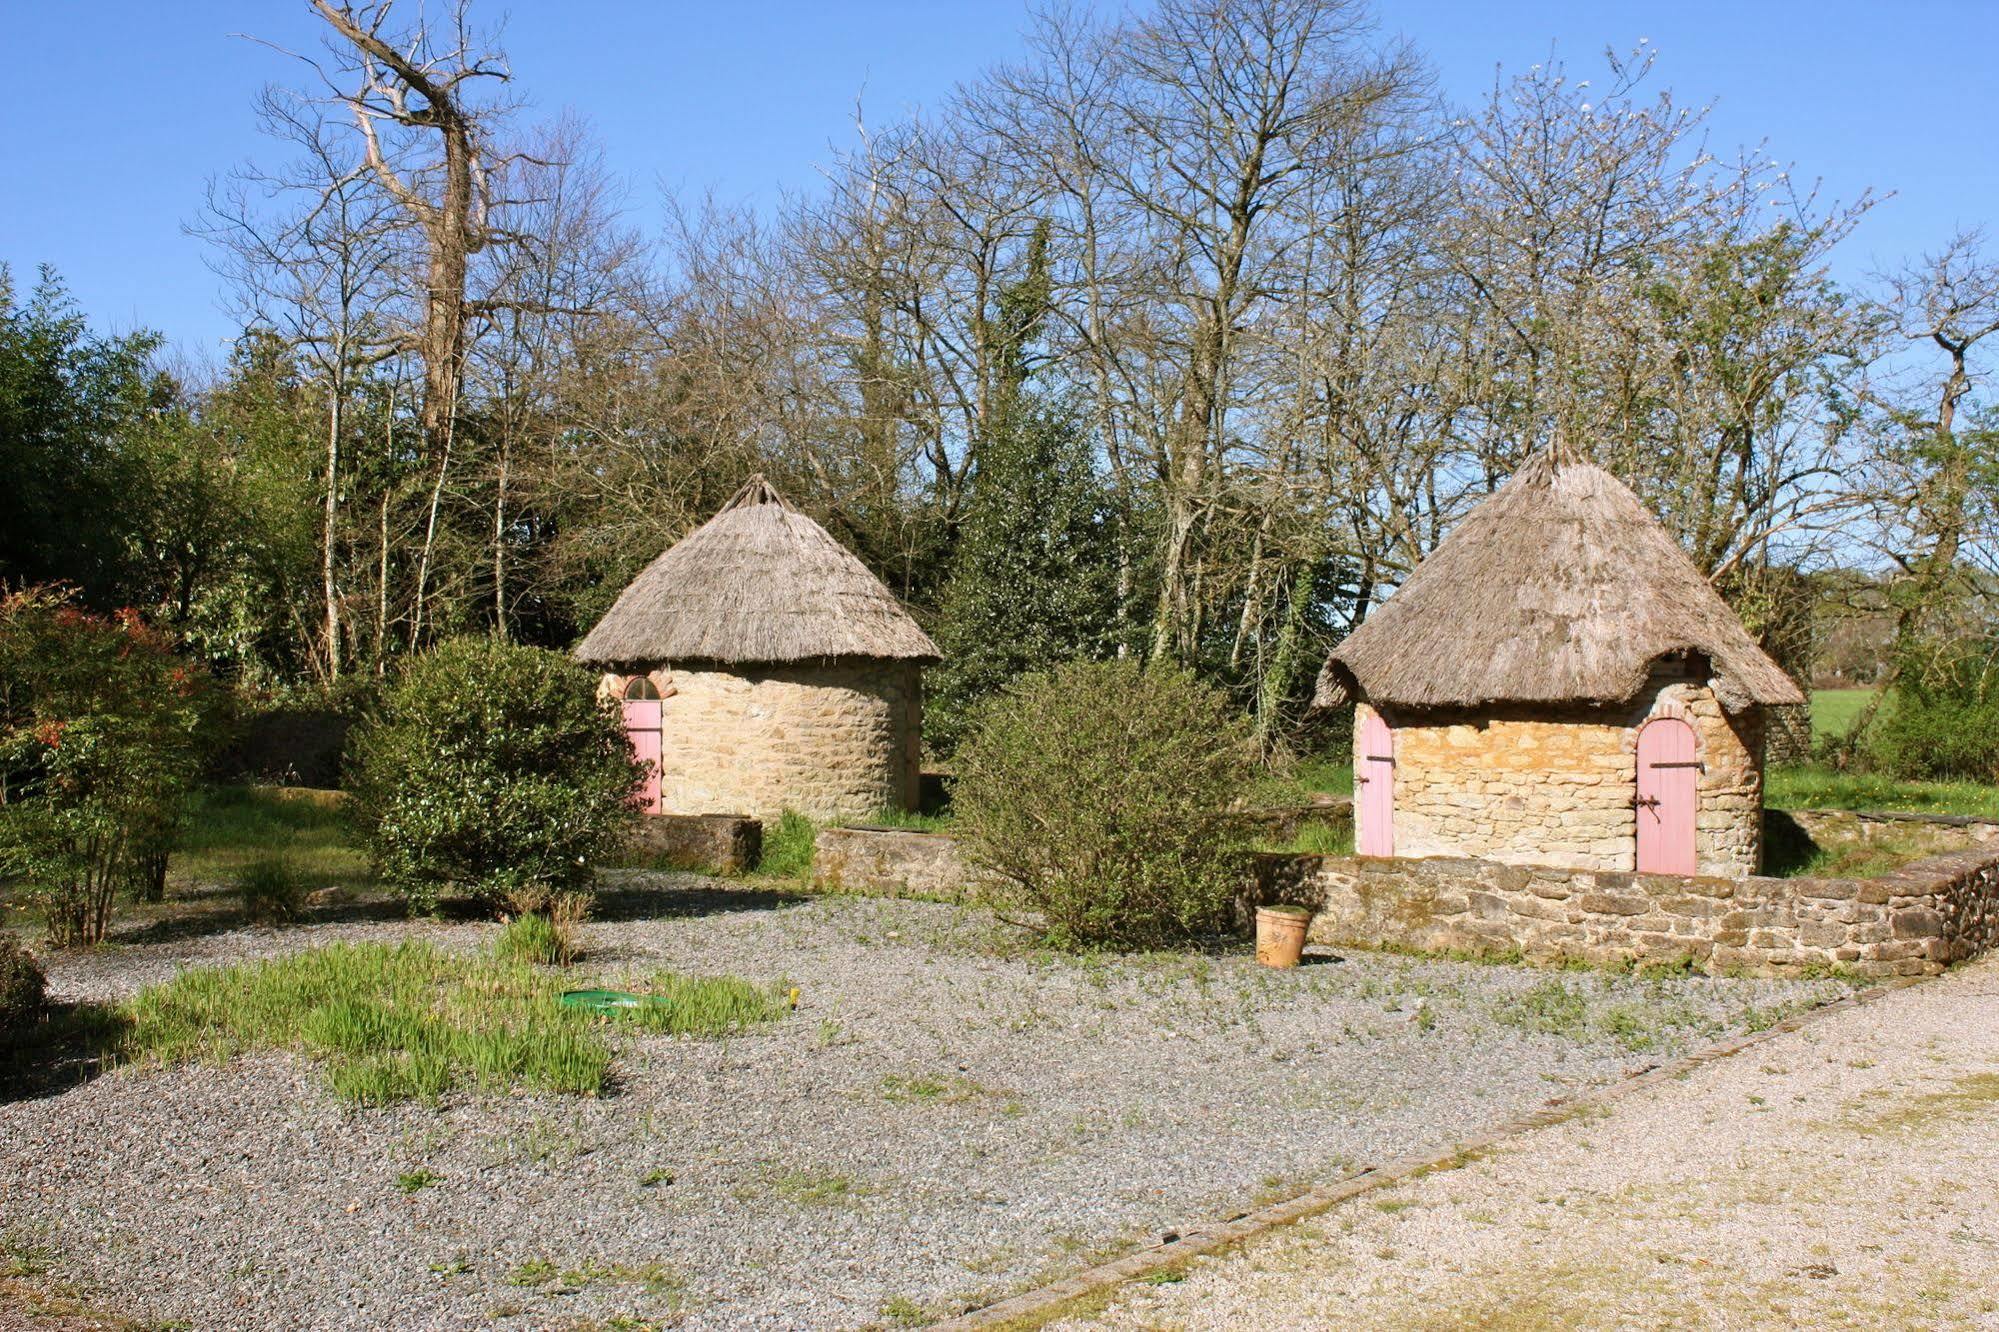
<point x="1033" y="582"/>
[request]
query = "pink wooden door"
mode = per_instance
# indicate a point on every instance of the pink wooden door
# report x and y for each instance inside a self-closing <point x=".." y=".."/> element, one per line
<point x="1668" y="794"/>
<point x="1374" y="789"/>
<point x="642" y="724"/>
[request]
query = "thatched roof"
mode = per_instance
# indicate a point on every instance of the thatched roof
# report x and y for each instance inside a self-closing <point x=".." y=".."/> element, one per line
<point x="1560" y="588"/>
<point x="759" y="583"/>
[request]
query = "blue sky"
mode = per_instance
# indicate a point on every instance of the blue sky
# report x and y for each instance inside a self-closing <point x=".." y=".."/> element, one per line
<point x="97" y="174"/>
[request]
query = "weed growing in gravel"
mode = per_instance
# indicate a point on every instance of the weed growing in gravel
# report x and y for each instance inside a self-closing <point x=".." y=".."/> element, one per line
<point x="704" y="1005"/>
<point x="811" y="1187"/>
<point x="655" y="1177"/>
<point x="412" y="1181"/>
<point x="904" y="1312"/>
<point x="929" y="1087"/>
<point x="409" y="1022"/>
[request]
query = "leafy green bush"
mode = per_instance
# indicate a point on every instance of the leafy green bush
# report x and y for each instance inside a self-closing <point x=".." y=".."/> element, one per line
<point x="1939" y="734"/>
<point x="22" y="985"/>
<point x="1094" y="794"/>
<point x="491" y="768"/>
<point x="103" y="735"/>
<point x="269" y="891"/>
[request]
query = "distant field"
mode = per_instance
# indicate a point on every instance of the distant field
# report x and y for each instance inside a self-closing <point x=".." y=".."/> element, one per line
<point x="1833" y="710"/>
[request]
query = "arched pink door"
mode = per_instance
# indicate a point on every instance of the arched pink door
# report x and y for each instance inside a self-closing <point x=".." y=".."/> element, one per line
<point x="642" y="727"/>
<point x="1374" y="789"/>
<point x="1668" y="796"/>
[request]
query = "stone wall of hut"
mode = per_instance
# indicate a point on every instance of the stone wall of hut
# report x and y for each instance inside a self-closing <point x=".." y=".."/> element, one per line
<point x="832" y="740"/>
<point x="1558" y="786"/>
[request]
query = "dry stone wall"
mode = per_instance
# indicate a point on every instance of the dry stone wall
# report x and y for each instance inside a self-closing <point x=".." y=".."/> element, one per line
<point x="1558" y="785"/>
<point x="835" y="740"/>
<point x="1914" y="921"/>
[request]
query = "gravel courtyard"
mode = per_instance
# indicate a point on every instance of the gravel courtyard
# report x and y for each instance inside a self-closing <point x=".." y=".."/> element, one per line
<point x="947" y="1117"/>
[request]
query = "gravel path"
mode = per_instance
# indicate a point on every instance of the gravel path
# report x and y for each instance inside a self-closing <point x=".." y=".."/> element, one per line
<point x="1834" y="1177"/>
<point x="948" y="1117"/>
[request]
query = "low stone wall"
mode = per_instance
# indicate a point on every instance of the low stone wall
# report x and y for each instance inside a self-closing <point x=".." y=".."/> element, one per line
<point x="1282" y="824"/>
<point x="891" y="862"/>
<point x="1940" y="832"/>
<point x="1913" y="921"/>
<point x="722" y="843"/>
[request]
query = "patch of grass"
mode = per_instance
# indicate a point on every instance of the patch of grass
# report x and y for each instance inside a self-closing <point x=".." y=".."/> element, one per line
<point x="1834" y="710"/>
<point x="931" y="1087"/>
<point x="413" y="1181"/>
<point x="908" y="820"/>
<point x="532" y="939"/>
<point x="1812" y="787"/>
<point x="806" y="1187"/>
<point x="902" y="1311"/>
<point x="1968" y="1096"/>
<point x="703" y="1005"/>
<point x="1849" y="860"/>
<point x="232" y="828"/>
<point x="655" y="1177"/>
<point x="270" y="891"/>
<point x="410" y="1022"/>
<point x="1315" y="837"/>
<point x="787" y="847"/>
<point x="1297" y="786"/>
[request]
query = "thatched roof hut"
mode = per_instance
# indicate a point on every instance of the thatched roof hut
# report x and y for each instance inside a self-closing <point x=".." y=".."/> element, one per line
<point x="759" y="583"/>
<point x="1558" y="684"/>
<point x="763" y="668"/>
<point x="1560" y="588"/>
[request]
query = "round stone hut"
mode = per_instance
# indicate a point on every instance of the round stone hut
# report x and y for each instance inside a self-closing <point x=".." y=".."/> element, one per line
<point x="762" y="667"/>
<point x="1557" y="684"/>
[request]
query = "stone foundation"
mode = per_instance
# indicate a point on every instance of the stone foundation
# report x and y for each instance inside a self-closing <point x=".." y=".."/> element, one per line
<point x="1913" y="921"/>
<point x="832" y="740"/>
<point x="1558" y="785"/>
<point x="891" y="862"/>
<point x="714" y="843"/>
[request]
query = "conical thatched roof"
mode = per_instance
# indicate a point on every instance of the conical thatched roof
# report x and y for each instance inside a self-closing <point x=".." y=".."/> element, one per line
<point x="1560" y="588"/>
<point x="759" y="583"/>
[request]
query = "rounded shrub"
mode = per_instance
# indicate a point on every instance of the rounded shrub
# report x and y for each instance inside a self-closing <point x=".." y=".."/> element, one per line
<point x="491" y="768"/>
<point x="1094" y="796"/>
<point x="22" y="985"/>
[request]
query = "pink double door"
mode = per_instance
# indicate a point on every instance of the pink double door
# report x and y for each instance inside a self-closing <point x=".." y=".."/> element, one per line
<point x="1374" y="788"/>
<point x="642" y="727"/>
<point x="1668" y="796"/>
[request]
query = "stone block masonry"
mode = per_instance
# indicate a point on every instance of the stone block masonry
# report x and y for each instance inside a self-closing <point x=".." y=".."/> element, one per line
<point x="1557" y="785"/>
<point x="1914" y="921"/>
<point x="712" y="843"/>
<point x="832" y="740"/>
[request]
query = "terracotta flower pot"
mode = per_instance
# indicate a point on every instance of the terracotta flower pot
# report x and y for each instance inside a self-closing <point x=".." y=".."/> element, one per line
<point x="1280" y="934"/>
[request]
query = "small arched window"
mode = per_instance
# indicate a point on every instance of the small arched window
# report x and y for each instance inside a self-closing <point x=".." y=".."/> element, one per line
<point x="641" y="687"/>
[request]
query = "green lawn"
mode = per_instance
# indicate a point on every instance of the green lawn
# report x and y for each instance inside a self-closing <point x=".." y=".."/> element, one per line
<point x="232" y="827"/>
<point x="1833" y="710"/>
<point x="1822" y="788"/>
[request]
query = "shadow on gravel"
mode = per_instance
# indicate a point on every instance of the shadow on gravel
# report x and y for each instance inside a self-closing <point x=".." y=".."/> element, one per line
<point x="195" y="922"/>
<point x="69" y="1046"/>
<point x="623" y="901"/>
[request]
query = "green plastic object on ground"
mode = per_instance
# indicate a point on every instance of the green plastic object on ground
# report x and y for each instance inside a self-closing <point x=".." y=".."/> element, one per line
<point x="605" y="1003"/>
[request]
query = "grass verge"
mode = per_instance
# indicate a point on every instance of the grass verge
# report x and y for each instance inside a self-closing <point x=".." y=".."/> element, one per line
<point x="1813" y="787"/>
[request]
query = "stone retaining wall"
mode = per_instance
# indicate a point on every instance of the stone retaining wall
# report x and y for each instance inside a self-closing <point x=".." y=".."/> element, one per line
<point x="1913" y="921"/>
<point x="903" y="862"/>
<point x="891" y="862"/>
<point x="716" y="843"/>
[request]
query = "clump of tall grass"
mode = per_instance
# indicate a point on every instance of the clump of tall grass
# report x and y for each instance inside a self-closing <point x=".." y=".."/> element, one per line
<point x="545" y="935"/>
<point x="403" y="1022"/>
<point x="270" y="890"/>
<point x="787" y="848"/>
